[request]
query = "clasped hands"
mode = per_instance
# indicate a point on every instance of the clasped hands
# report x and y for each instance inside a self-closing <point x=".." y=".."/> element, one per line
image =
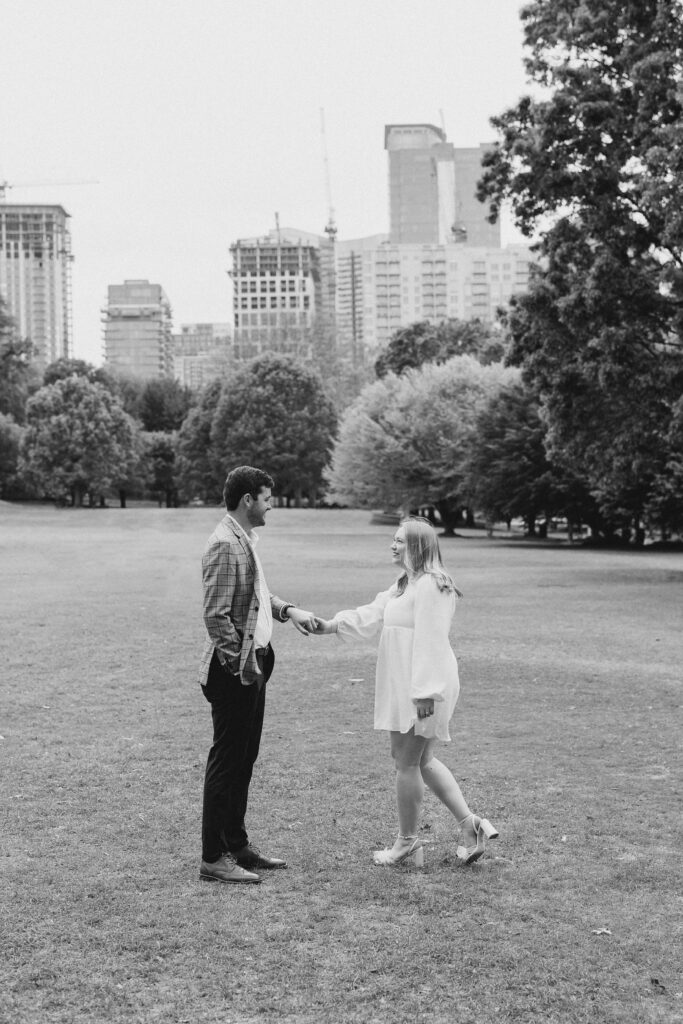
<point x="307" y="622"/>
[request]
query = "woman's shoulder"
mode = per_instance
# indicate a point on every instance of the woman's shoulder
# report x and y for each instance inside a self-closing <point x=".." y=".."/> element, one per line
<point x="426" y="581"/>
<point x="429" y="584"/>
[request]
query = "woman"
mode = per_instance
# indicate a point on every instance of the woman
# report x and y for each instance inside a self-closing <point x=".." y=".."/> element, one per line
<point x="416" y="686"/>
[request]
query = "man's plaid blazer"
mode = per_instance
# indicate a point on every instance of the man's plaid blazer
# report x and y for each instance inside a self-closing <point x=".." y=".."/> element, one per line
<point x="231" y="602"/>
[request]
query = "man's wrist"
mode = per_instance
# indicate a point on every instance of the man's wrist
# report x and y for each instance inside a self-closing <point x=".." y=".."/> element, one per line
<point x="284" y="610"/>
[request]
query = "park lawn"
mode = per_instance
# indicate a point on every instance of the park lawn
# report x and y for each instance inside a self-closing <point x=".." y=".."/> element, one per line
<point x="567" y="736"/>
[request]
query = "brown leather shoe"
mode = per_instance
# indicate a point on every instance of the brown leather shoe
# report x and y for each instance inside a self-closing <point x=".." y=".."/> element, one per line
<point x="250" y="857"/>
<point x="226" y="870"/>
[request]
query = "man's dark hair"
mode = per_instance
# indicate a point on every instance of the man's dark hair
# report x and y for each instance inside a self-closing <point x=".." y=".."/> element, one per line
<point x="244" y="480"/>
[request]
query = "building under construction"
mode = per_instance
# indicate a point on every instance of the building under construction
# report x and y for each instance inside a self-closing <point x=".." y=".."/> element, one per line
<point x="35" y="276"/>
<point x="282" y="289"/>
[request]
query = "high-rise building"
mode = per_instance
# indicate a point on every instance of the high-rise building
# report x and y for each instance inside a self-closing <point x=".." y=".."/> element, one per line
<point x="402" y="284"/>
<point x="432" y="189"/>
<point x="137" y="330"/>
<point x="201" y="352"/>
<point x="35" y="276"/>
<point x="354" y="258"/>
<point x="280" y="290"/>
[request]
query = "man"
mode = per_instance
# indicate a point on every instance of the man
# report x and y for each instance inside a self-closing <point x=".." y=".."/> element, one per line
<point x="238" y="659"/>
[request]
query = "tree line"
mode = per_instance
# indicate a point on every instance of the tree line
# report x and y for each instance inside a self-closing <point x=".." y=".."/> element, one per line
<point x="571" y="406"/>
<point x="80" y="434"/>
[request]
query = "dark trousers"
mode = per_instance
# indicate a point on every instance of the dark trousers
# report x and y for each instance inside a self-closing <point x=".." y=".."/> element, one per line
<point x="237" y="713"/>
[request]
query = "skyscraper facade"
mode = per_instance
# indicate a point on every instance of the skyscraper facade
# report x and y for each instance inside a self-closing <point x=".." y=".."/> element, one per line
<point x="432" y="189"/>
<point x="403" y="284"/>
<point x="35" y="276"/>
<point x="137" y="330"/>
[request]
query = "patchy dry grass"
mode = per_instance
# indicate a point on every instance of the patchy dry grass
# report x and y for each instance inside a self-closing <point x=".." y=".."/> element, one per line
<point x="567" y="736"/>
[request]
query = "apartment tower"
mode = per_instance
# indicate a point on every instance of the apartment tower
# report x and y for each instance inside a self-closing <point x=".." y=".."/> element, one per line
<point x="137" y="330"/>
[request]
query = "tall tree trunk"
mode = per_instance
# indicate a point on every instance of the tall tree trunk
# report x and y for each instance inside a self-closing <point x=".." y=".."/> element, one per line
<point x="449" y="516"/>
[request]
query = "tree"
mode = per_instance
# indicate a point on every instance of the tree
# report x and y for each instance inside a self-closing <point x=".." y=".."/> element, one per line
<point x="197" y="469"/>
<point x="664" y="509"/>
<point x="10" y="443"/>
<point x="129" y="476"/>
<point x="597" y="163"/>
<point x="164" y="404"/>
<point x="65" y="367"/>
<point x="127" y="387"/>
<point x="77" y="439"/>
<point x="159" y="455"/>
<point x="274" y="413"/>
<point x="407" y="440"/>
<point x="508" y="472"/>
<point x="18" y="376"/>
<point x="424" y="342"/>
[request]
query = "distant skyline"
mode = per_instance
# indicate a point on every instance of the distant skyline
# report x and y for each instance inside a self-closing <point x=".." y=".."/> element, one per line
<point x="200" y="119"/>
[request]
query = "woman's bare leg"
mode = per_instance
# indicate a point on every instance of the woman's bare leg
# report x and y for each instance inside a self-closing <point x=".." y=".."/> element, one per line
<point x="407" y="750"/>
<point x="441" y="782"/>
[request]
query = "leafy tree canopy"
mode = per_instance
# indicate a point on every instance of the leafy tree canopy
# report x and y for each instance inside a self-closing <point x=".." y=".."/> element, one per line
<point x="508" y="472"/>
<point x="406" y="440"/>
<point x="164" y="404"/>
<point x="127" y="388"/>
<point x="77" y="439"/>
<point x="160" y="460"/>
<point x="197" y="470"/>
<point x="18" y="376"/>
<point x="424" y="342"/>
<point x="595" y="162"/>
<point x="10" y="443"/>
<point x="62" y="368"/>
<point x="275" y="414"/>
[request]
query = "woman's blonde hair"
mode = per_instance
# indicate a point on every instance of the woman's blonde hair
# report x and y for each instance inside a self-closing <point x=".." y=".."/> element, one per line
<point x="422" y="555"/>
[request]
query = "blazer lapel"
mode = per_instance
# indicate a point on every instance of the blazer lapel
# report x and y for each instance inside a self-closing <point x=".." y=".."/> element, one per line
<point x="238" y="534"/>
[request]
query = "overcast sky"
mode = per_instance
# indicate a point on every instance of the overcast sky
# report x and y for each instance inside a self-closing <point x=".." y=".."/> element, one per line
<point x="199" y="119"/>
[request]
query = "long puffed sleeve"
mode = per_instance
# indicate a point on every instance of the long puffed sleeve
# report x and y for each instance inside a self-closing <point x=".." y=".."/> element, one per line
<point x="434" y="662"/>
<point x="365" y="622"/>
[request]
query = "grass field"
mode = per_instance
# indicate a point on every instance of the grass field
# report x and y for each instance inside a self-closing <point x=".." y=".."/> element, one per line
<point x="567" y="736"/>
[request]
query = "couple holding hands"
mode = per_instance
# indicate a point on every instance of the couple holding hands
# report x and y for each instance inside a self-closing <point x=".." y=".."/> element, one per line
<point x="416" y="681"/>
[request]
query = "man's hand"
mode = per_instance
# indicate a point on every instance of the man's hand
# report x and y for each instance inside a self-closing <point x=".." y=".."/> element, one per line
<point x="304" y="621"/>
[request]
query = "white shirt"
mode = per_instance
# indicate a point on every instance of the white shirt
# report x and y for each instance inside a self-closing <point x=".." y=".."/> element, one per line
<point x="264" y="623"/>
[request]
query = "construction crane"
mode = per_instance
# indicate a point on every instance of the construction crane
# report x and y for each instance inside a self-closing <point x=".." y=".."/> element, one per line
<point x="5" y="186"/>
<point x="331" y="226"/>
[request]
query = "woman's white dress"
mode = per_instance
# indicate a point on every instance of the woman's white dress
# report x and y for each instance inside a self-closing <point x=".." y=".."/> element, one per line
<point x="415" y="658"/>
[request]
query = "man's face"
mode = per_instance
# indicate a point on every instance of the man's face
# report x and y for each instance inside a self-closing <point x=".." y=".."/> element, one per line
<point x="257" y="507"/>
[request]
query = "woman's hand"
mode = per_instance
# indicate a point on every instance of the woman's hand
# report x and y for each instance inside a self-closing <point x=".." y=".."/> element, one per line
<point x="425" y="708"/>
<point x="323" y="626"/>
